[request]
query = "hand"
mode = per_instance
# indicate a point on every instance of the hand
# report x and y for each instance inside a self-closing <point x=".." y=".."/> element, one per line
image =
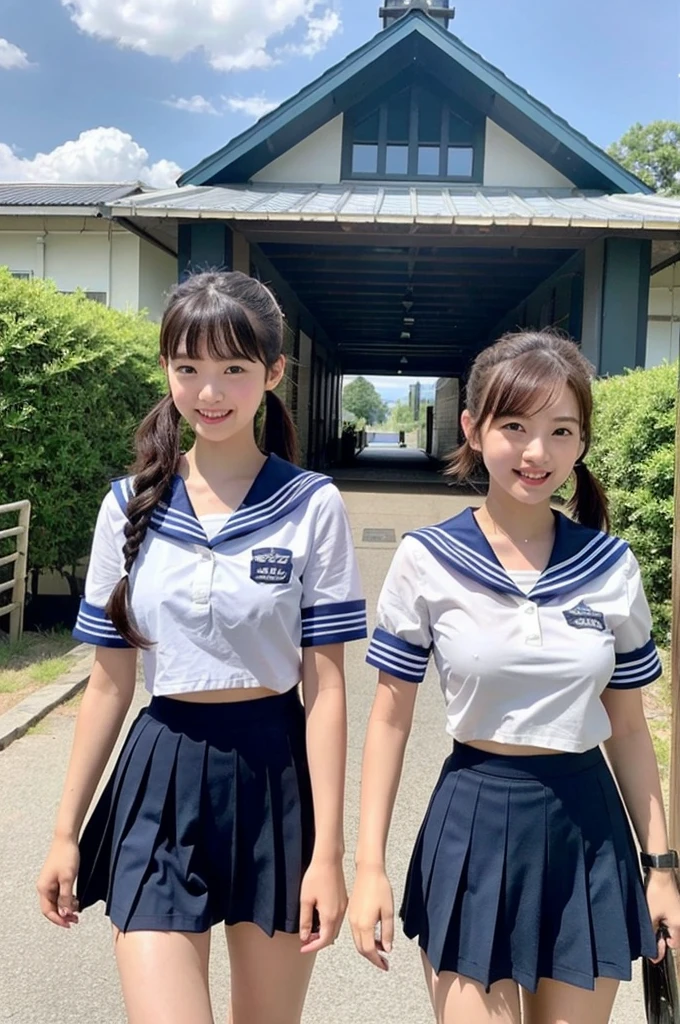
<point x="323" y="888"/>
<point x="56" y="881"/>
<point x="371" y="904"/>
<point x="663" y="901"/>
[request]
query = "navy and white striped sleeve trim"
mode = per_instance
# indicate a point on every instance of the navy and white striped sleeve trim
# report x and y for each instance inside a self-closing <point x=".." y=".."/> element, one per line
<point x="397" y="657"/>
<point x="637" y="668"/>
<point x="93" y="627"/>
<point x="334" y="623"/>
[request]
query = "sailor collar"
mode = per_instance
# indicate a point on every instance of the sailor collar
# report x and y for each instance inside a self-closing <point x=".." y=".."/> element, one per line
<point x="278" y="488"/>
<point x="579" y="555"/>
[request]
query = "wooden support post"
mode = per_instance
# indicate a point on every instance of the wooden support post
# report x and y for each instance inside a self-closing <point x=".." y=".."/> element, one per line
<point x="674" y="797"/>
<point x="19" y="558"/>
<point x="674" y="803"/>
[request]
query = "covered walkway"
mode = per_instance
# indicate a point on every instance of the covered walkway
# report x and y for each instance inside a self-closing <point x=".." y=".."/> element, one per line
<point x="390" y="464"/>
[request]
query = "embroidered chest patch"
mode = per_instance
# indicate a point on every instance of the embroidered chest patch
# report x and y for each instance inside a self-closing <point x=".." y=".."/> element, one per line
<point x="271" y="565"/>
<point x="584" y="617"/>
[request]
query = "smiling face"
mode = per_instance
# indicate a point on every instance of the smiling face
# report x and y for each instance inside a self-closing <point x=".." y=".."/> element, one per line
<point x="219" y="398"/>
<point x="530" y="455"/>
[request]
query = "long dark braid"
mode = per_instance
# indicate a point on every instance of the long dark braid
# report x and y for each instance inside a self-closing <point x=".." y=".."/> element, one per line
<point x="231" y="316"/>
<point x="158" y="453"/>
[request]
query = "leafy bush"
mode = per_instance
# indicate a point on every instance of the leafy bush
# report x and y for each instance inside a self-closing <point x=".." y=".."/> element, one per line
<point x="75" y="380"/>
<point x="633" y="456"/>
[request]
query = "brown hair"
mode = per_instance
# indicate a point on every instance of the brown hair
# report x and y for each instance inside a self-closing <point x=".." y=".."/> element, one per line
<point x="520" y="375"/>
<point x="231" y="316"/>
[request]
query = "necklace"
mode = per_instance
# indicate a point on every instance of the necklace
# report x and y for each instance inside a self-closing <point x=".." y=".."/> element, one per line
<point x="499" y="529"/>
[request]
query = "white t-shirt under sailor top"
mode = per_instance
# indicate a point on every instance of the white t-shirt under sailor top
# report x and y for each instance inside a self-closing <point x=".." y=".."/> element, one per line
<point x="233" y="608"/>
<point x="518" y="667"/>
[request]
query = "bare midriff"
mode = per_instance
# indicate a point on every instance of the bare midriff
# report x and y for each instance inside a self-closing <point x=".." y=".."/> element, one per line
<point x="508" y="749"/>
<point x="225" y="696"/>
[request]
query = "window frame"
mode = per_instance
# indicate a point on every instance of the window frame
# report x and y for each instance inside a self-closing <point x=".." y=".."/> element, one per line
<point x="450" y="106"/>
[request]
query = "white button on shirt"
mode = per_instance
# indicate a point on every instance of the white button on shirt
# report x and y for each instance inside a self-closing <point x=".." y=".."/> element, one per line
<point x="232" y="607"/>
<point x="517" y="667"/>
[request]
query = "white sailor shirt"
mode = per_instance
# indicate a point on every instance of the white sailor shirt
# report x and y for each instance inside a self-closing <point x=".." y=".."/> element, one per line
<point x="232" y="610"/>
<point x="517" y="667"/>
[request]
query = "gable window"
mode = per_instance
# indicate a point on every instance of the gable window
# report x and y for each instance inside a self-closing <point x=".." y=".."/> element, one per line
<point x="414" y="135"/>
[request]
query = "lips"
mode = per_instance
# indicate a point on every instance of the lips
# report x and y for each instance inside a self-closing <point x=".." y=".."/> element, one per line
<point x="213" y="416"/>
<point x="531" y="478"/>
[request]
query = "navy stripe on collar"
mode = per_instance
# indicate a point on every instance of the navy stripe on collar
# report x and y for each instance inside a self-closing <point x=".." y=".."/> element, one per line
<point x="579" y="554"/>
<point x="278" y="488"/>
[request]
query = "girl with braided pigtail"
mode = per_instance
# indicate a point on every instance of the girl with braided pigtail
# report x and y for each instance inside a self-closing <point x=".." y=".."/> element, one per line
<point x="232" y="570"/>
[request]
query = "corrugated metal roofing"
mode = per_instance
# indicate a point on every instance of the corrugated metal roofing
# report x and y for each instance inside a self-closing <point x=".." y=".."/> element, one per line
<point x="393" y="204"/>
<point x="91" y="194"/>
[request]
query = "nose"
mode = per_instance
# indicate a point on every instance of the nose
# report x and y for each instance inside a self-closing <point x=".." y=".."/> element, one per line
<point x="535" y="450"/>
<point x="212" y="391"/>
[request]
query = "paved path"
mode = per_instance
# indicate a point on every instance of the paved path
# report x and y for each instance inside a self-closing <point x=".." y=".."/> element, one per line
<point x="52" y="976"/>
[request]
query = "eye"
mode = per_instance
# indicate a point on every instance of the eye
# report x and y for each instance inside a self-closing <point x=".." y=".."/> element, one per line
<point x="515" y="427"/>
<point x="185" y="369"/>
<point x="234" y="369"/>
<point x="563" y="432"/>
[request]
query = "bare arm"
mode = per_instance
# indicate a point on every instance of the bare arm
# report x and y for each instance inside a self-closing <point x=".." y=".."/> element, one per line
<point x="631" y="754"/>
<point x="389" y="727"/>
<point x="323" y="683"/>
<point x="105" y="703"/>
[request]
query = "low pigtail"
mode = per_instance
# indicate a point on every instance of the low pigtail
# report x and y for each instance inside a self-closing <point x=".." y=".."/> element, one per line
<point x="462" y="462"/>
<point x="278" y="435"/>
<point x="158" y="451"/>
<point x="588" y="503"/>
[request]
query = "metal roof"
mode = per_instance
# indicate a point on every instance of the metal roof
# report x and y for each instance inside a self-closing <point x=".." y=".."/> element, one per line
<point x="30" y="193"/>
<point x="361" y="203"/>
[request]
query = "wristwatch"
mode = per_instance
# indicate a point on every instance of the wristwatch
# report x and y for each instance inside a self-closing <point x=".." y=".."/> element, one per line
<point x="660" y="860"/>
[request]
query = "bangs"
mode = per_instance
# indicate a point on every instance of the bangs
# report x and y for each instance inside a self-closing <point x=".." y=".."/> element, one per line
<point x="218" y="329"/>
<point x="524" y="387"/>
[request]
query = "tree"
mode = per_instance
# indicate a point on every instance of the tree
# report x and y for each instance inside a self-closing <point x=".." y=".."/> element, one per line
<point x="652" y="152"/>
<point x="401" y="417"/>
<point x="361" y="398"/>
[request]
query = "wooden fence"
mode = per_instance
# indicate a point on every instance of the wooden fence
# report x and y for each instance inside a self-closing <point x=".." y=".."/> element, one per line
<point x="18" y="558"/>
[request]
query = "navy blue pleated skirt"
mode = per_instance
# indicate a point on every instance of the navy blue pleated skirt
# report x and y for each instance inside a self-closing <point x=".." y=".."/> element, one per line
<point x="525" y="868"/>
<point x="207" y="817"/>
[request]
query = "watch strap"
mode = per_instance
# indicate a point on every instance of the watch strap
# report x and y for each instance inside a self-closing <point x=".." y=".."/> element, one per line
<point x="660" y="860"/>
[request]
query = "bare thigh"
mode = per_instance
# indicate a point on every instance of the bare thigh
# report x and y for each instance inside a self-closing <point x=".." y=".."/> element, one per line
<point x="164" y="976"/>
<point x="558" y="1003"/>
<point x="269" y="977"/>
<point x="456" y="998"/>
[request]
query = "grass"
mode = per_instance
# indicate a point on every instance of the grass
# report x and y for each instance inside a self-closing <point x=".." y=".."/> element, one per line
<point x="35" y="660"/>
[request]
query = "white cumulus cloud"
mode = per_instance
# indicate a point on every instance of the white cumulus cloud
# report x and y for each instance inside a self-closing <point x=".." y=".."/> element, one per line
<point x="100" y="154"/>
<point x="251" y="106"/>
<point x="234" y="34"/>
<point x="319" y="32"/>
<point x="12" y="58"/>
<point x="192" y="105"/>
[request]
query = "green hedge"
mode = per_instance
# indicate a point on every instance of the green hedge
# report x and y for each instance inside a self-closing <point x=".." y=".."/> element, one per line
<point x="75" y="380"/>
<point x="633" y="456"/>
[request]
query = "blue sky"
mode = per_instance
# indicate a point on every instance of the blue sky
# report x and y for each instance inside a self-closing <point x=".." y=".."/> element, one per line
<point x="99" y="90"/>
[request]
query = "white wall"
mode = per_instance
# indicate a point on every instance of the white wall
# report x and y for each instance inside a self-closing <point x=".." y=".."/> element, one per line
<point x="663" y="328"/>
<point x="446" y="414"/>
<point x="157" y="275"/>
<point x="125" y="271"/>
<point x="92" y="254"/>
<point x="508" y="162"/>
<point x="316" y="160"/>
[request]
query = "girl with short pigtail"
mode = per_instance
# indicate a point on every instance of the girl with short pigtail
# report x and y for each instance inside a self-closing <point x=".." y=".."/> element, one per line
<point x="524" y="888"/>
<point x="233" y="571"/>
